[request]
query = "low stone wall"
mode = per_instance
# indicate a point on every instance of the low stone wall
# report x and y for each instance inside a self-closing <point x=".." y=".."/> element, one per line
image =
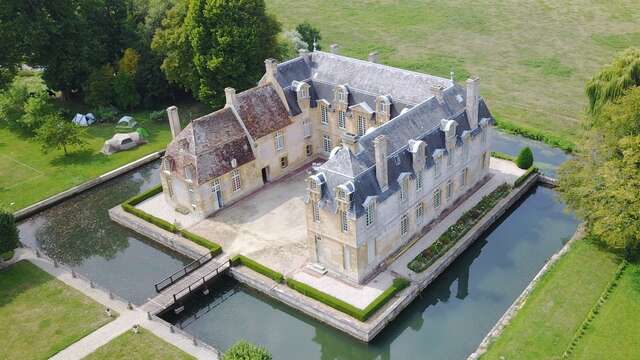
<point x="59" y="197"/>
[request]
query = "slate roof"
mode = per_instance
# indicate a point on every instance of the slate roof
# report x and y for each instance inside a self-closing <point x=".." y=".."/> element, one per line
<point x="262" y="111"/>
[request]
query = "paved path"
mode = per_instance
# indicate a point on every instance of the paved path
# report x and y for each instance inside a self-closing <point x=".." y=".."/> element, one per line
<point x="125" y="321"/>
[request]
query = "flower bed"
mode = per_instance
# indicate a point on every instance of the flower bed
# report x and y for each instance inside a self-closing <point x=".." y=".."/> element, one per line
<point x="456" y="231"/>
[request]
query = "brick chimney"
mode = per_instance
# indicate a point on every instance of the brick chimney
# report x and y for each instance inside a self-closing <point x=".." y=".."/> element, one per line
<point x="271" y="66"/>
<point x="230" y="96"/>
<point x="437" y="90"/>
<point x="473" y="94"/>
<point x="380" y="144"/>
<point x="350" y="141"/>
<point x="174" y="121"/>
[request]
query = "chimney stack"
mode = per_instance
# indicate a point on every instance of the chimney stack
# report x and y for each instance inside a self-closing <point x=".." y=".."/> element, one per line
<point x="271" y="66"/>
<point x="174" y="121"/>
<point x="334" y="49"/>
<point x="473" y="94"/>
<point x="230" y="96"/>
<point x="380" y="144"/>
<point x="350" y="141"/>
<point x="373" y="57"/>
<point x="437" y="90"/>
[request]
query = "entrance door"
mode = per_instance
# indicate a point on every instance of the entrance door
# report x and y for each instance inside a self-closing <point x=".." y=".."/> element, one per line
<point x="265" y="174"/>
<point x="217" y="193"/>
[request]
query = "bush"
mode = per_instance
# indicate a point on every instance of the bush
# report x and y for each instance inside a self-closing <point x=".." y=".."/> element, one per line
<point x="538" y="135"/>
<point x="144" y="196"/>
<point x="525" y="176"/>
<point x="257" y="267"/>
<point x="9" y="233"/>
<point x="158" y="116"/>
<point x="525" y="158"/>
<point x="501" y="155"/>
<point x="243" y="350"/>
<point x="215" y="248"/>
<point x="106" y="114"/>
<point x="150" y="218"/>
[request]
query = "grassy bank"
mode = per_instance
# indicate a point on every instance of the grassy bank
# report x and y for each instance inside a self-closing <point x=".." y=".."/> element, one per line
<point x="41" y="315"/>
<point x="558" y="305"/>
<point x="143" y="345"/>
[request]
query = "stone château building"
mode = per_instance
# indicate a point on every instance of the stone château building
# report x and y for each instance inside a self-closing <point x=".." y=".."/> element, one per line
<point x="400" y="148"/>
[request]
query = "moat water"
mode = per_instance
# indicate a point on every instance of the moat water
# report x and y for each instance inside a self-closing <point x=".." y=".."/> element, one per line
<point x="447" y="322"/>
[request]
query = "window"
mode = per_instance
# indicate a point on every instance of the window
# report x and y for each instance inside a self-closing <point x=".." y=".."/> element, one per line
<point x="284" y="162"/>
<point x="170" y="187"/>
<point x="465" y="151"/>
<point x="344" y="223"/>
<point x="450" y="155"/>
<point x="192" y="197"/>
<point x="404" y="225"/>
<point x="235" y="180"/>
<point x="279" y="140"/>
<point x="436" y="167"/>
<point x="188" y="172"/>
<point x="215" y="186"/>
<point x="168" y="165"/>
<point x="484" y="161"/>
<point x="306" y="126"/>
<point x="419" y="180"/>
<point x="449" y="189"/>
<point x="483" y="136"/>
<point x="371" y="249"/>
<point x="326" y="143"/>
<point x="437" y="198"/>
<point x="362" y="125"/>
<point x="303" y="93"/>
<point x="324" y="113"/>
<point x="342" y="119"/>
<point x="371" y="213"/>
<point x="464" y="178"/>
<point x="419" y="212"/>
<point x="316" y="211"/>
<point x="341" y="95"/>
<point x="404" y="189"/>
<point x="308" y="149"/>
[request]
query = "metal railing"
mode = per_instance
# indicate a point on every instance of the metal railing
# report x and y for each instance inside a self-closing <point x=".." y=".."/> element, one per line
<point x="186" y="270"/>
<point x="201" y="281"/>
<point x="208" y="308"/>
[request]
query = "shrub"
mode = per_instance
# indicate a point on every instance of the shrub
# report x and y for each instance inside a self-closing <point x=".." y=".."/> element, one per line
<point x="501" y="155"/>
<point x="538" y="135"/>
<point x="519" y="181"/>
<point x="215" y="248"/>
<point x="150" y="218"/>
<point x="525" y="158"/>
<point x="144" y="196"/>
<point x="106" y="114"/>
<point x="243" y="350"/>
<point x="9" y="238"/>
<point x="257" y="267"/>
<point x="158" y="116"/>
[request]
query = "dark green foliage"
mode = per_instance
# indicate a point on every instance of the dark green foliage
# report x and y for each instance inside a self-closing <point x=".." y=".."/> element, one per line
<point x="503" y="156"/>
<point x="519" y="181"/>
<point x="150" y="218"/>
<point x="106" y="114"/>
<point x="553" y="140"/>
<point x="144" y="196"/>
<point x="243" y="350"/>
<point x="36" y="110"/>
<point x="456" y="231"/>
<point x="525" y="158"/>
<point x="12" y="102"/>
<point x="215" y="248"/>
<point x="613" y="80"/>
<point x="57" y="133"/>
<point x="9" y="238"/>
<point x="98" y="90"/>
<point x="125" y="94"/>
<point x="309" y="35"/>
<point x="158" y="116"/>
<point x="257" y="267"/>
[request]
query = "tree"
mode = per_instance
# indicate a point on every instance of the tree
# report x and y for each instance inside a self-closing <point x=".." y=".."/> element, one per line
<point x="9" y="235"/>
<point x="98" y="90"/>
<point x="12" y="46"/>
<point x="612" y="81"/>
<point x="525" y="158"/>
<point x="36" y="109"/>
<point x="243" y="350"/>
<point x="56" y="133"/>
<point x="601" y="182"/>
<point x="129" y="62"/>
<point x="290" y="44"/>
<point x="216" y="44"/>
<point x="12" y="102"/>
<point x="310" y="35"/>
<point x="125" y="94"/>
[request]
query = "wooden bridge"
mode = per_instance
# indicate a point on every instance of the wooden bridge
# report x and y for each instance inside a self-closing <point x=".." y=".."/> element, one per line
<point x="192" y="277"/>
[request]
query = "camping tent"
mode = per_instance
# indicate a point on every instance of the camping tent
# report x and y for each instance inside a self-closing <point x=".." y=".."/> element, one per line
<point x="127" y="122"/>
<point x="84" y="120"/>
<point x="123" y="141"/>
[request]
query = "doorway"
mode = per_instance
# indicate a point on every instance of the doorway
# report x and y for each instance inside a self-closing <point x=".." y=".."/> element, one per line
<point x="265" y="174"/>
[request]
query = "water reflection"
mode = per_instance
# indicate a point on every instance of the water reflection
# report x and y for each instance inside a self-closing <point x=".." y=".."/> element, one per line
<point x="80" y="234"/>
<point x="546" y="158"/>
<point x="446" y="322"/>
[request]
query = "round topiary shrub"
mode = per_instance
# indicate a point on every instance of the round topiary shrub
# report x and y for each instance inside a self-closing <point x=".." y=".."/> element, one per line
<point x="243" y="350"/>
<point x="9" y="238"/>
<point x="525" y="158"/>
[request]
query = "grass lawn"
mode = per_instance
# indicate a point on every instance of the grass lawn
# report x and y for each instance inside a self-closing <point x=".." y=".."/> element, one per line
<point x="41" y="315"/>
<point x="28" y="176"/>
<point x="533" y="57"/>
<point x="615" y="332"/>
<point x="141" y="346"/>
<point x="545" y="325"/>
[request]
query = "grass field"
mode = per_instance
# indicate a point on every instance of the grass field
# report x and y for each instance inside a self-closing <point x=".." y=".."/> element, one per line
<point x="545" y="325"/>
<point x="41" y="315"/>
<point x="615" y="332"/>
<point x="533" y="57"/>
<point x="141" y="346"/>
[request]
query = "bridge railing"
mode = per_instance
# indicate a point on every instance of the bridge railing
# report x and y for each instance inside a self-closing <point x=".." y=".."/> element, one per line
<point x="201" y="280"/>
<point x="186" y="270"/>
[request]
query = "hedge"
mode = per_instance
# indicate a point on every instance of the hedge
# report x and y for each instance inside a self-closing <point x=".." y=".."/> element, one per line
<point x="150" y="218"/>
<point x="360" y="314"/>
<point x="257" y="267"/>
<point x="525" y="176"/>
<point x="553" y="140"/>
<point x="213" y="247"/>
<point x="144" y="196"/>
<point x="456" y="231"/>
<point x="501" y="155"/>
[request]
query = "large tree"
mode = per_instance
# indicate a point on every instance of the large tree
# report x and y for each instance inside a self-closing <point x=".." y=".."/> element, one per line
<point x="614" y="79"/>
<point x="57" y="133"/>
<point x="602" y="180"/>
<point x="9" y="235"/>
<point x="211" y="44"/>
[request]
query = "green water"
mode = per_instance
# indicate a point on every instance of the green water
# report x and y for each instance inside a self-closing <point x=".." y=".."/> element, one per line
<point x="447" y="322"/>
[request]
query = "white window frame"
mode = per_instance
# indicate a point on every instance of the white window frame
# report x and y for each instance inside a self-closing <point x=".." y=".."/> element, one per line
<point x="465" y="151"/>
<point x="306" y="127"/>
<point x="278" y="140"/>
<point x="404" y="225"/>
<point x="419" y="181"/>
<point x="449" y="192"/>
<point x="326" y="143"/>
<point x="404" y="189"/>
<point x="188" y="173"/>
<point x="215" y="185"/>
<point x="324" y="114"/>
<point x="419" y="212"/>
<point x="344" y="222"/>
<point x="436" y="167"/>
<point x="483" y="136"/>
<point x="362" y="124"/>
<point x="464" y="177"/>
<point x="437" y="198"/>
<point x="316" y="211"/>
<point x="371" y="213"/>
<point x="342" y="119"/>
<point x="236" y="181"/>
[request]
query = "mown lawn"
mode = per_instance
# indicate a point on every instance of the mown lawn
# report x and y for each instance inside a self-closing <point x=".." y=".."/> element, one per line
<point x="615" y="332"/>
<point x="545" y="325"/>
<point x="141" y="346"/>
<point x="533" y="57"/>
<point x="40" y="315"/>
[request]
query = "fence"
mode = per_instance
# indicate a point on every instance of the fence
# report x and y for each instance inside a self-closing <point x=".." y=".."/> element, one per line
<point x="200" y="281"/>
<point x="186" y="270"/>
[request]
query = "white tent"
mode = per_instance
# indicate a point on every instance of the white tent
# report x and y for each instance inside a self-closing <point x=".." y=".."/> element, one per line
<point x="84" y="120"/>
<point x="127" y="122"/>
<point x="121" y="142"/>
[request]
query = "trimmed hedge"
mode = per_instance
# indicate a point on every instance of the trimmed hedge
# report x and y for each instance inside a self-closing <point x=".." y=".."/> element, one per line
<point x="525" y="176"/>
<point x="149" y="218"/>
<point x="144" y="196"/>
<point x="553" y="140"/>
<point x="456" y="231"/>
<point x="501" y="155"/>
<point x="360" y="314"/>
<point x="213" y="247"/>
<point x="257" y="267"/>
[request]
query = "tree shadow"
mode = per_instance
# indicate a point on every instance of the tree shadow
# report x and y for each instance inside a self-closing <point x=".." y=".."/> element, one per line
<point x="18" y="279"/>
<point x="81" y="156"/>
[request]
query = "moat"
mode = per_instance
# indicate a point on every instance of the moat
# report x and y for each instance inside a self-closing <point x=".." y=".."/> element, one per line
<point x="448" y="321"/>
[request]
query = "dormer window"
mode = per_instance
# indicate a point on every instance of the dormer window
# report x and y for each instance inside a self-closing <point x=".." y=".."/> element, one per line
<point x="341" y="94"/>
<point x="383" y="105"/>
<point x="362" y="124"/>
<point x="303" y="93"/>
<point x="188" y="172"/>
<point x="342" y="119"/>
<point x="168" y="165"/>
<point x="370" y="208"/>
